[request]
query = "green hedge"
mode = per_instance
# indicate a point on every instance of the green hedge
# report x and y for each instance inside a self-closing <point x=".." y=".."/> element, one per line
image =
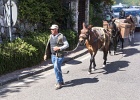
<point x="72" y="38"/>
<point x="29" y="51"/>
<point x="14" y="55"/>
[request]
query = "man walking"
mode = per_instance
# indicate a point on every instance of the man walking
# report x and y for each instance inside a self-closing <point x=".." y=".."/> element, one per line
<point x="57" y="43"/>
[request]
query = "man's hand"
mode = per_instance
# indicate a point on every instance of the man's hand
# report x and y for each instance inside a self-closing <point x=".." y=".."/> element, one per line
<point x="45" y="56"/>
<point x="56" y="48"/>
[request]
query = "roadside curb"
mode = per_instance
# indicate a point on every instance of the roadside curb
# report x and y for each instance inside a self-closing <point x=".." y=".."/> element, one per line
<point x="27" y="72"/>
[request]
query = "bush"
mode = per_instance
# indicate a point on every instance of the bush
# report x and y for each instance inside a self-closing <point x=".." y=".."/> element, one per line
<point x="29" y="51"/>
<point x="72" y="38"/>
<point x="39" y="42"/>
<point x="16" y="55"/>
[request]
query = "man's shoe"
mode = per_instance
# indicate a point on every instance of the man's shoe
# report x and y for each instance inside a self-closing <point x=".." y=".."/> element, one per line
<point x="62" y="83"/>
<point x="58" y="86"/>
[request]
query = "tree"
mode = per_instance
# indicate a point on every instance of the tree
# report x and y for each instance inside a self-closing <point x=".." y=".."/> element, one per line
<point x="45" y="12"/>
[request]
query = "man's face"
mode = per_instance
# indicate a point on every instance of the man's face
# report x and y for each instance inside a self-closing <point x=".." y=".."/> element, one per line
<point x="54" y="31"/>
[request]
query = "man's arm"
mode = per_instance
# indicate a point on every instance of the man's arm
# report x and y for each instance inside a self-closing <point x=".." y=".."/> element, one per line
<point x="66" y="44"/>
<point x="45" y="54"/>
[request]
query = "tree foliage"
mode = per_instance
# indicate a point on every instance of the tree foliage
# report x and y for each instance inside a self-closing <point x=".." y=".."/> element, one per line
<point x="45" y="12"/>
<point x="96" y="10"/>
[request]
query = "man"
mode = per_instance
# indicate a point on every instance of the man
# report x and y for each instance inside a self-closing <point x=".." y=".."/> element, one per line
<point x="57" y="44"/>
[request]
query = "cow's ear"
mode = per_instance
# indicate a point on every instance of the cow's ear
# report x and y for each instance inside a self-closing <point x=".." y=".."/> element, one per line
<point x="84" y="25"/>
<point x="90" y="26"/>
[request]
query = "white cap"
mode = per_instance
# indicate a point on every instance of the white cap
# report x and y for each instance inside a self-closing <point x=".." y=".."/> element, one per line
<point x="54" y="26"/>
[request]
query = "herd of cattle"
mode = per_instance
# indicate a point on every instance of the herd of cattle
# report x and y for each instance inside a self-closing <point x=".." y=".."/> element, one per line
<point x="120" y="29"/>
<point x="105" y="37"/>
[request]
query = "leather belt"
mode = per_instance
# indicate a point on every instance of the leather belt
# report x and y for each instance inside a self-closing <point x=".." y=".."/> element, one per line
<point x="54" y="53"/>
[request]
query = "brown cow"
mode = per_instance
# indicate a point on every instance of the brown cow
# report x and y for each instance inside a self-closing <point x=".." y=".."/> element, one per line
<point x="126" y="27"/>
<point x="113" y="29"/>
<point x="95" y="38"/>
<point x="131" y="21"/>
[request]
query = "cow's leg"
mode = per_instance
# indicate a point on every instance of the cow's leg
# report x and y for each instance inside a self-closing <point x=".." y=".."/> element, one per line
<point x="90" y="66"/>
<point x="122" y="41"/>
<point x="133" y="33"/>
<point x="115" y="43"/>
<point x="105" y="53"/>
<point x="130" y="36"/>
<point x="94" y="64"/>
<point x="92" y="61"/>
<point x="110" y="45"/>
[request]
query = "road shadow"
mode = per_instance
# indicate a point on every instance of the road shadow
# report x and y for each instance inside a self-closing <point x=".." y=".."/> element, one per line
<point x="73" y="62"/>
<point x="115" y="66"/>
<point x="134" y="43"/>
<point x="111" y="67"/>
<point x="130" y="52"/>
<point x="80" y="81"/>
<point x="6" y="90"/>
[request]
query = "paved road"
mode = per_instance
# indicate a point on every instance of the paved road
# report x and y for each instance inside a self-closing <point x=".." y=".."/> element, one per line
<point x="119" y="80"/>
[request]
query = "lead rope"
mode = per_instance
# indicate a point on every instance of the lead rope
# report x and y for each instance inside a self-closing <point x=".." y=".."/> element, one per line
<point x="73" y="49"/>
<point x="58" y="68"/>
<point x="66" y="52"/>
